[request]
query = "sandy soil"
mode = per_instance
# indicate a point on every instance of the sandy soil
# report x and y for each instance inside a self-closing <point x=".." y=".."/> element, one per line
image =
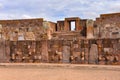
<point x="17" y="73"/>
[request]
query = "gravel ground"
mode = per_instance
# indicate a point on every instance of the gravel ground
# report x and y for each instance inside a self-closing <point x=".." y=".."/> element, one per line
<point x="57" y="73"/>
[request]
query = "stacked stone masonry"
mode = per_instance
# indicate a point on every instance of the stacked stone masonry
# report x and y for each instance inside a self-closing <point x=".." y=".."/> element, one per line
<point x="39" y="41"/>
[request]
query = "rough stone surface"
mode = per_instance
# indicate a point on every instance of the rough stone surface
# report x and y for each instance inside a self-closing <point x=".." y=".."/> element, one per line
<point x="93" y="55"/>
<point x="36" y="40"/>
<point x="66" y="54"/>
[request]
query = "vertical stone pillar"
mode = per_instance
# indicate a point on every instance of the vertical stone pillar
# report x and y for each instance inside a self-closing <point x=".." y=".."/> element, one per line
<point x="93" y="55"/>
<point x="77" y="25"/>
<point x="115" y="46"/>
<point x="86" y="51"/>
<point x="48" y="29"/>
<point x="100" y="46"/>
<point x="86" y="55"/>
<point x="44" y="52"/>
<point x="66" y="25"/>
<point x="7" y="50"/>
<point x="90" y="29"/>
<point x="2" y="51"/>
<point x="66" y="54"/>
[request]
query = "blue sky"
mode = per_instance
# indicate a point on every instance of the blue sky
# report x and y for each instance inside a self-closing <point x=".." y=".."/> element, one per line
<point x="56" y="9"/>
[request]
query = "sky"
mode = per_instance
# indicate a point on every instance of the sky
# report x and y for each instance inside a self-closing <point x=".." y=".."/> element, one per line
<point x="54" y="10"/>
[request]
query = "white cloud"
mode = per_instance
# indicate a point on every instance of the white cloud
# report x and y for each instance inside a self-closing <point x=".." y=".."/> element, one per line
<point x="56" y="9"/>
<point x="24" y="16"/>
<point x="114" y="7"/>
<point x="1" y="5"/>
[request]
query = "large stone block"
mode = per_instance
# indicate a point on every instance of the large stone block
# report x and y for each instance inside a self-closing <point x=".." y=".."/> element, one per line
<point x="90" y="28"/>
<point x="66" y="54"/>
<point x="93" y="55"/>
<point x="44" y="52"/>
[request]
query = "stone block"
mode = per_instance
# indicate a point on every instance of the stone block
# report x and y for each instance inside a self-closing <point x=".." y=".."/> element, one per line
<point x="66" y="54"/>
<point x="93" y="55"/>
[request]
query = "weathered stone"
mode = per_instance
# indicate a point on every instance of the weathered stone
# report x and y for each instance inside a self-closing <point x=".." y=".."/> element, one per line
<point x="44" y="52"/>
<point x="90" y="29"/>
<point x="35" y="40"/>
<point x="2" y="51"/>
<point x="29" y="36"/>
<point x="66" y="54"/>
<point x="93" y="55"/>
<point x="108" y="25"/>
<point x="86" y="55"/>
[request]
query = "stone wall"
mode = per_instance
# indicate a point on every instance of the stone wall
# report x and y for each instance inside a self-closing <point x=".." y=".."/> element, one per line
<point x="80" y="25"/>
<point x="90" y="29"/>
<point x="35" y="40"/>
<point x="108" y="26"/>
<point x="29" y="29"/>
<point x="60" y="25"/>
<point x="82" y="51"/>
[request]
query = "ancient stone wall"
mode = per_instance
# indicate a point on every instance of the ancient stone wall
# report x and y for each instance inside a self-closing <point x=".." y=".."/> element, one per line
<point x="108" y="26"/>
<point x="67" y="26"/>
<point x="28" y="29"/>
<point x="35" y="40"/>
<point x="80" y="25"/>
<point x="90" y="29"/>
<point x="53" y="26"/>
<point x="60" y="25"/>
<point x="83" y="51"/>
<point x="83" y="27"/>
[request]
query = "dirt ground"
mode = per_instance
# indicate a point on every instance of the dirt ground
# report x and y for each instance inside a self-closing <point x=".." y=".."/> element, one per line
<point x="52" y="73"/>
